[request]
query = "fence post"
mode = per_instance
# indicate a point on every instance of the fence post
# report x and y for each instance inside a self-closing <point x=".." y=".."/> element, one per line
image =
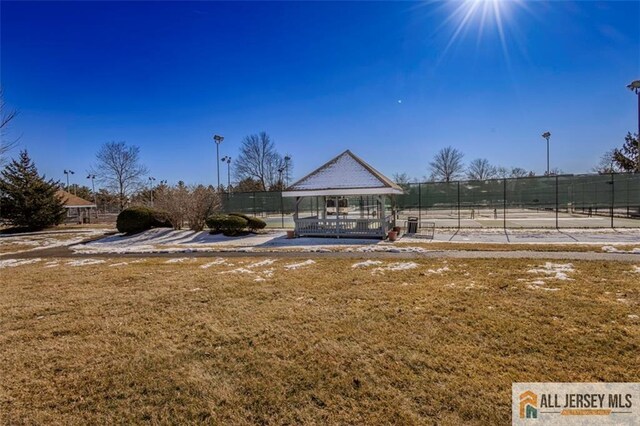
<point x="504" y="203"/>
<point x="613" y="194"/>
<point x="458" y="204"/>
<point x="557" y="227"/>
<point x="419" y="202"/>
<point x="254" y="203"/>
<point x="282" y="208"/>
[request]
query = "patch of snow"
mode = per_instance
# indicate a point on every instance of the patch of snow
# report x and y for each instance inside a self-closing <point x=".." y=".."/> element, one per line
<point x="178" y="260"/>
<point x="366" y="263"/>
<point x="52" y="264"/>
<point x="268" y="272"/>
<point x="265" y="262"/>
<point x="218" y="261"/>
<point x="12" y="263"/>
<point x="558" y="270"/>
<point x="636" y="269"/>
<point x="394" y="266"/>
<point x="259" y="279"/>
<point x="389" y="248"/>
<point x="239" y="271"/>
<point x="119" y="264"/>
<point x="612" y="249"/>
<point x="293" y="266"/>
<point x="633" y="316"/>
<point x="439" y="270"/>
<point x="85" y="262"/>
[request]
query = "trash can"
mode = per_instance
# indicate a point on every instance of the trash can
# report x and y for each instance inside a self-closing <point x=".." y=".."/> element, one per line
<point x="412" y="225"/>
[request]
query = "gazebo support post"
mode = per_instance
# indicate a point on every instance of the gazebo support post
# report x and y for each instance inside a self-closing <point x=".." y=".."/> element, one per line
<point x="337" y="218"/>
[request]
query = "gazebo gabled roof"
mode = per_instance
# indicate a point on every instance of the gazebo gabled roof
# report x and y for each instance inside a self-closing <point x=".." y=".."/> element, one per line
<point x="72" y="201"/>
<point x="346" y="174"/>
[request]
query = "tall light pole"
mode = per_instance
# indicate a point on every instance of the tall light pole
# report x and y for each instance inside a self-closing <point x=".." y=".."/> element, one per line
<point x="634" y="86"/>
<point x="547" y="135"/>
<point x="151" y="180"/>
<point x="93" y="191"/>
<point x="70" y="172"/>
<point x="286" y="170"/>
<point x="227" y="159"/>
<point x="218" y="140"/>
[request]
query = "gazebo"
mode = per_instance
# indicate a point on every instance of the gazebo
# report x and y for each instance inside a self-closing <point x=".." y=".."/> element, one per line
<point x="335" y="186"/>
<point x="78" y="209"/>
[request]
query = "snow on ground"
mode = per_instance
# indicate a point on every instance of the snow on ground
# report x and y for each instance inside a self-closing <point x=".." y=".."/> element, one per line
<point x="218" y="261"/>
<point x="612" y="249"/>
<point x="636" y="269"/>
<point x="550" y="270"/>
<point x="366" y="263"/>
<point x="239" y="271"/>
<point x="265" y="262"/>
<point x="46" y="239"/>
<point x="163" y="240"/>
<point x="293" y="266"/>
<point x="394" y="266"/>
<point x="11" y="263"/>
<point x="179" y="260"/>
<point x="84" y="262"/>
<point x="439" y="270"/>
<point x="559" y="270"/>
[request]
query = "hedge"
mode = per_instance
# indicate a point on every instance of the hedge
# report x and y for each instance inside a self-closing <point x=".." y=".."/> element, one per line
<point x="254" y="223"/>
<point x="214" y="222"/>
<point x="139" y="218"/>
<point x="229" y="225"/>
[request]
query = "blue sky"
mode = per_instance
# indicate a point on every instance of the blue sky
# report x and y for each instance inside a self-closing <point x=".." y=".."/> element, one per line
<point x="387" y="80"/>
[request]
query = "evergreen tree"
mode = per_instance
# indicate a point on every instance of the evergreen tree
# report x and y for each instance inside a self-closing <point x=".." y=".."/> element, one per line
<point x="27" y="199"/>
<point x="627" y="158"/>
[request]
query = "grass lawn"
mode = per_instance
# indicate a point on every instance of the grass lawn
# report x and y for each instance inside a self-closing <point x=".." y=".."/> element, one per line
<point x="245" y="342"/>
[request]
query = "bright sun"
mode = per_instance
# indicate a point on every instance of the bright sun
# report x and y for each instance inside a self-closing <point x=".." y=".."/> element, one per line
<point x="485" y="15"/>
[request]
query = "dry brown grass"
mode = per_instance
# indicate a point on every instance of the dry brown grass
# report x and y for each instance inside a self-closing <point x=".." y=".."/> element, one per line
<point x="175" y="343"/>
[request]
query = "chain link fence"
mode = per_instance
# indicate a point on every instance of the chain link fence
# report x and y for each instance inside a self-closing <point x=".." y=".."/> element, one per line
<point x="566" y="201"/>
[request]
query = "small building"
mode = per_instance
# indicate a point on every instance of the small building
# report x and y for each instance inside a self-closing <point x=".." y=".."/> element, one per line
<point x="79" y="210"/>
<point x="352" y="200"/>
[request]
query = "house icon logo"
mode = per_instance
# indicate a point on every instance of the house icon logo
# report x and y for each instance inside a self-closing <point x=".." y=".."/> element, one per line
<point x="528" y="405"/>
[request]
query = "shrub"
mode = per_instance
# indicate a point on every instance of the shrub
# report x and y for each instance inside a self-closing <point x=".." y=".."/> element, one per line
<point x="214" y="222"/>
<point x="232" y="225"/>
<point x="254" y="223"/>
<point x="138" y="218"/>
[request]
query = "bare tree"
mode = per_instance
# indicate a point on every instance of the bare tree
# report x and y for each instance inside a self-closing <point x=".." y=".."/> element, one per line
<point x="6" y="116"/>
<point x="607" y="163"/>
<point x="402" y="179"/>
<point x="203" y="202"/>
<point x="481" y="169"/>
<point x="173" y="201"/>
<point x="119" y="169"/>
<point x="259" y="160"/>
<point x="191" y="204"/>
<point x="518" y="172"/>
<point x="447" y="165"/>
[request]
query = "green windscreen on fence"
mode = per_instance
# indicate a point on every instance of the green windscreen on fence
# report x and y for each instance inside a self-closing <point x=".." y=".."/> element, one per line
<point x="617" y="194"/>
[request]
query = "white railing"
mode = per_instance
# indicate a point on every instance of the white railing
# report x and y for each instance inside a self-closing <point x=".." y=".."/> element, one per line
<point x="343" y="227"/>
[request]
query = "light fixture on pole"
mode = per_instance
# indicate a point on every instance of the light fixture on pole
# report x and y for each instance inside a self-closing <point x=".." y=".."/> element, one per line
<point x="69" y="172"/>
<point x="280" y="170"/>
<point x="93" y="188"/>
<point x="286" y="170"/>
<point x="227" y="159"/>
<point x="218" y="140"/>
<point x="151" y="180"/>
<point x="634" y="86"/>
<point x="547" y="135"/>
